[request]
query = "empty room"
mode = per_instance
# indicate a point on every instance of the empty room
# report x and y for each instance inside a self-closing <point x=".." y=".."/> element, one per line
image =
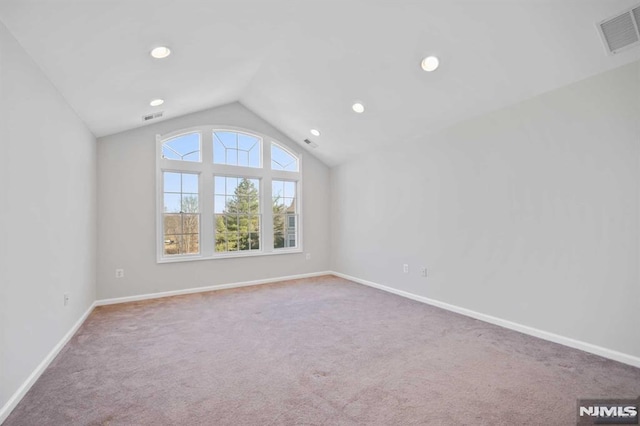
<point x="319" y="212"/>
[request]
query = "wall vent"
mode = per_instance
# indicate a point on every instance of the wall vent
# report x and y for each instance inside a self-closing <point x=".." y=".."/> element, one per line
<point x="311" y="143"/>
<point x="152" y="116"/>
<point x="621" y="31"/>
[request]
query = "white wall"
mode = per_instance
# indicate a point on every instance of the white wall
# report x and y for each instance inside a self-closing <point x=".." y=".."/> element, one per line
<point x="528" y="214"/>
<point x="126" y="200"/>
<point x="47" y="216"/>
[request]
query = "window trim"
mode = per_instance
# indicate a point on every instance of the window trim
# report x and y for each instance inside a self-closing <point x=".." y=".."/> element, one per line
<point x="207" y="170"/>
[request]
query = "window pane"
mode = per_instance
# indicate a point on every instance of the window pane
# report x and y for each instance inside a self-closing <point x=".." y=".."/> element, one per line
<point x="193" y="156"/>
<point x="190" y="183"/>
<point x="189" y="203"/>
<point x="181" y="234"/>
<point x="172" y="182"/>
<point x="236" y="149"/>
<point x="190" y="244"/>
<point x="172" y="203"/>
<point x="282" y="159"/>
<point x="220" y="185"/>
<point x="246" y="142"/>
<point x="254" y="158"/>
<point x="171" y="244"/>
<point x="232" y="241"/>
<point x="227" y="139"/>
<point x="172" y="224"/>
<point x="289" y="204"/>
<point x="237" y="209"/>
<point x="243" y="241"/>
<point x="243" y="158"/>
<point x="289" y="189"/>
<point x="278" y="240"/>
<point x="285" y="219"/>
<point x="219" y="204"/>
<point x="290" y="236"/>
<point x="231" y="222"/>
<point x="253" y="224"/>
<point x="218" y="151"/>
<point x="182" y="148"/>
<point x="232" y="184"/>
<point x="181" y="221"/>
<point x="190" y="223"/>
<point x="277" y="189"/>
<point x="221" y="242"/>
<point x="255" y="241"/>
<point x="180" y="192"/>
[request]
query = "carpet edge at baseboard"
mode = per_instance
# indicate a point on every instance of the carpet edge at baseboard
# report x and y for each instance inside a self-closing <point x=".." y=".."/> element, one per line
<point x="148" y="296"/>
<point x="17" y="396"/>
<point x="13" y="401"/>
<point x="531" y="331"/>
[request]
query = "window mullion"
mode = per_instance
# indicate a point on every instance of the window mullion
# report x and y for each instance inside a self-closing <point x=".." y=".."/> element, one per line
<point x="267" y="203"/>
<point x="206" y="195"/>
<point x="267" y="215"/>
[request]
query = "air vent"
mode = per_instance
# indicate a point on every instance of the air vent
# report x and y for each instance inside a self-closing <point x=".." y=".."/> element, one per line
<point x="153" y="116"/>
<point x="622" y="31"/>
<point x="310" y="143"/>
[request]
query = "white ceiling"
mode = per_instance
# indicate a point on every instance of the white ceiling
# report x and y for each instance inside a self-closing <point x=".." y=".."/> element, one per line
<point x="301" y="64"/>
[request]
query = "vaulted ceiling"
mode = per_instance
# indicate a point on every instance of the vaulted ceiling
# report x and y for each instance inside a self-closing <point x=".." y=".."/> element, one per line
<point x="302" y="64"/>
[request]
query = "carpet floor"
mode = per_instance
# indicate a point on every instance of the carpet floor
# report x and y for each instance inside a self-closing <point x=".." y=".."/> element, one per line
<point x="319" y="351"/>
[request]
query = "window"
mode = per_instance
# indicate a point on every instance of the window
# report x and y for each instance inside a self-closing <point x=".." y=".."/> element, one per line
<point x="237" y="208"/>
<point x="284" y="214"/>
<point x="281" y="159"/>
<point x="184" y="148"/>
<point x="216" y="197"/>
<point x="236" y="149"/>
<point x="181" y="214"/>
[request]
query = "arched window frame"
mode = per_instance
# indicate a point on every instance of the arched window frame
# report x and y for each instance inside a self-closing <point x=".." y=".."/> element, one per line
<point x="207" y="170"/>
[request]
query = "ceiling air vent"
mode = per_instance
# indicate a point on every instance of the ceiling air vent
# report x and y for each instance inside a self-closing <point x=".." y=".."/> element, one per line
<point x="621" y="31"/>
<point x="153" y="116"/>
<point x="310" y="143"/>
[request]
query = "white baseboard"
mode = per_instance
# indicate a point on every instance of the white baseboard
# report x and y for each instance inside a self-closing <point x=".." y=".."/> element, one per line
<point x="587" y="347"/>
<point x="148" y="296"/>
<point x="545" y="335"/>
<point x="33" y="377"/>
<point x="24" y="388"/>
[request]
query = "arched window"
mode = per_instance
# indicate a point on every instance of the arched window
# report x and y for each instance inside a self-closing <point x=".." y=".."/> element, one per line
<point x="282" y="159"/>
<point x="183" y="147"/>
<point x="225" y="192"/>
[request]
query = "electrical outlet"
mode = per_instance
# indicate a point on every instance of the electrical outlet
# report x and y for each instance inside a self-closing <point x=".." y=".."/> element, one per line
<point x="119" y="273"/>
<point x="423" y="271"/>
<point x="308" y="256"/>
<point x="405" y="268"/>
<point x="66" y="299"/>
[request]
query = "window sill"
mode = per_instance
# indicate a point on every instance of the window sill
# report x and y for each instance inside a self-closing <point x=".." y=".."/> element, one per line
<point x="227" y="256"/>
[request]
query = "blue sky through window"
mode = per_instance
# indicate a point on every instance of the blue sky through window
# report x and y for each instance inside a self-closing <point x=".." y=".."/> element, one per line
<point x="236" y="149"/>
<point x="184" y="147"/>
<point x="282" y="160"/>
<point x="177" y="186"/>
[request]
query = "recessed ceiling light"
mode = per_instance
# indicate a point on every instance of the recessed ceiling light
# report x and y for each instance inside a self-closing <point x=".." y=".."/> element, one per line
<point x="156" y="102"/>
<point x="315" y="132"/>
<point x="430" y="63"/>
<point x="358" y="107"/>
<point x="160" y="52"/>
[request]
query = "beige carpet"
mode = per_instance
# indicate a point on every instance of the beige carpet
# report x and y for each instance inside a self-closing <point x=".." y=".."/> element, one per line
<point x="320" y="351"/>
